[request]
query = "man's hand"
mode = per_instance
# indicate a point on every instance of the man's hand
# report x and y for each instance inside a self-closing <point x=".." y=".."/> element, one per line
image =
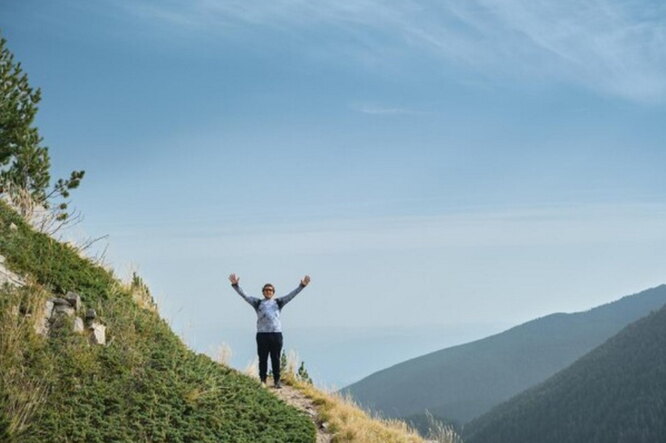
<point x="233" y="279"/>
<point x="306" y="280"/>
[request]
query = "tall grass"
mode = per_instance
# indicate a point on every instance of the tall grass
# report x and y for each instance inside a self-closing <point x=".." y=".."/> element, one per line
<point x="441" y="432"/>
<point x="223" y="354"/>
<point x="21" y="392"/>
<point x="348" y="422"/>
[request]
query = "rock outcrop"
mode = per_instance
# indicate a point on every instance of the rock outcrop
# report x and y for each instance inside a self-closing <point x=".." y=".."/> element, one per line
<point x="7" y="276"/>
<point x="58" y="311"/>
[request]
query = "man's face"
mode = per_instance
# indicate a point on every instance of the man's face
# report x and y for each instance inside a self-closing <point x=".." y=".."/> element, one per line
<point x="268" y="292"/>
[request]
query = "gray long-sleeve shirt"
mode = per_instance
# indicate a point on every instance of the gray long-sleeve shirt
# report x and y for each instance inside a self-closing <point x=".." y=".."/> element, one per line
<point x="268" y="310"/>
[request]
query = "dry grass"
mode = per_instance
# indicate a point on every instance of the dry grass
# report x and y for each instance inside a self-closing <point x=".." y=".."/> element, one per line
<point x="348" y="422"/>
<point x="21" y="201"/>
<point x="252" y="368"/>
<point x="47" y="220"/>
<point x="223" y="354"/>
<point x="440" y="432"/>
<point x="140" y="292"/>
<point x="24" y="394"/>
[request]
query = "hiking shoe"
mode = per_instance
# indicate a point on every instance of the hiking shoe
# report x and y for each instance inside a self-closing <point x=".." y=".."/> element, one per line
<point x="277" y="385"/>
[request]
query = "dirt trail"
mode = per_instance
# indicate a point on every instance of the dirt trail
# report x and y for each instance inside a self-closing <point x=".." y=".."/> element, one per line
<point x="296" y="399"/>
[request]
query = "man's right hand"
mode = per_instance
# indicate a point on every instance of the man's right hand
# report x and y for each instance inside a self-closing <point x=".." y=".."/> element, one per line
<point x="233" y="279"/>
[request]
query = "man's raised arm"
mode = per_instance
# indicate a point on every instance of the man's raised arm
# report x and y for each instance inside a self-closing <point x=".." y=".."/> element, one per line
<point x="287" y="298"/>
<point x="254" y="302"/>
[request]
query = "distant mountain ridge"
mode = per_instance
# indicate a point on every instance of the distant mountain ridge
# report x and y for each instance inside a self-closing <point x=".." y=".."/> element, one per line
<point x="616" y="392"/>
<point x="465" y="381"/>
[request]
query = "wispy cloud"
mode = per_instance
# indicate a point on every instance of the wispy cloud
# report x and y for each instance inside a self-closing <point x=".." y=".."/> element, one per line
<point x="612" y="47"/>
<point x="375" y="109"/>
<point x="550" y="227"/>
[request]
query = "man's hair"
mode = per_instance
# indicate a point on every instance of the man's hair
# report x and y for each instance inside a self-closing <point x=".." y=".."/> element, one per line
<point x="268" y="285"/>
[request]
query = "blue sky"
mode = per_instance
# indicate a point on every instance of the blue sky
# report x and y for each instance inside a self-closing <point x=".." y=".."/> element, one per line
<point x="453" y="166"/>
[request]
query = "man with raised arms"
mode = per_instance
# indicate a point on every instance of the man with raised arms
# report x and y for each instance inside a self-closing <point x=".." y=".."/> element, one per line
<point x="269" y="328"/>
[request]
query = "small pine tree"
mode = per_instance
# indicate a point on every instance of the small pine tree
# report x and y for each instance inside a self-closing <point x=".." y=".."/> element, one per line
<point x="24" y="162"/>
<point x="141" y="293"/>
<point x="302" y="373"/>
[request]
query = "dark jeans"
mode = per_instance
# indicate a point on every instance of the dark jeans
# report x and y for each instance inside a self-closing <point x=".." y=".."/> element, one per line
<point x="269" y="343"/>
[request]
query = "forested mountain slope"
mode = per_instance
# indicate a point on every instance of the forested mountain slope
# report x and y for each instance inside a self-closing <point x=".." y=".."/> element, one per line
<point x="463" y="382"/>
<point x="615" y="393"/>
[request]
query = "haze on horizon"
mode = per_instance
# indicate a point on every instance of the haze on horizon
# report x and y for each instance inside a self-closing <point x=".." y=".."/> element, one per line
<point x="442" y="170"/>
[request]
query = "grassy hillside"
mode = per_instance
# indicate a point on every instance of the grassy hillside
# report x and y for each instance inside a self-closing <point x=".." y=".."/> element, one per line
<point x="463" y="382"/>
<point x="615" y="393"/>
<point x="144" y="385"/>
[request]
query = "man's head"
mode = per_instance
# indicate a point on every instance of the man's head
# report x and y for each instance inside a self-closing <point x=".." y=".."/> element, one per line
<point x="268" y="290"/>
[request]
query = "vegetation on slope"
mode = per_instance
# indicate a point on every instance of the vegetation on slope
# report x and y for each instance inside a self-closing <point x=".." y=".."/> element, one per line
<point x="615" y="393"/>
<point x="349" y="423"/>
<point x="144" y="385"/>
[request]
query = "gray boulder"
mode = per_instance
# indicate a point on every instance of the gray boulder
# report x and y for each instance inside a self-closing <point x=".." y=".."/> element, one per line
<point x="74" y="300"/>
<point x="42" y="323"/>
<point x="64" y="309"/>
<point x="98" y="333"/>
<point x="78" y="324"/>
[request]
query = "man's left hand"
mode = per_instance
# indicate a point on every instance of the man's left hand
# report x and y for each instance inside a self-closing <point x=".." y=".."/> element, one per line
<point x="306" y="280"/>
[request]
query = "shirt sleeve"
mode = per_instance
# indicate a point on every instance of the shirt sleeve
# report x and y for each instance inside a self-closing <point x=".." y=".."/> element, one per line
<point x="254" y="302"/>
<point x="287" y="298"/>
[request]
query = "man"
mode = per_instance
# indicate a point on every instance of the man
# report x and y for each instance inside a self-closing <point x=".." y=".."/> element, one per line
<point x="269" y="328"/>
